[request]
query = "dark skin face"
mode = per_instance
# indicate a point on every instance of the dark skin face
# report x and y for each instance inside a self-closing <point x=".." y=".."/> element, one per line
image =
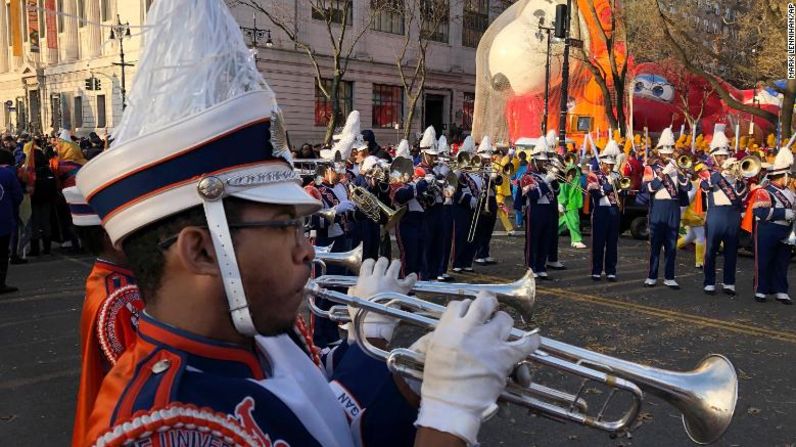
<point x="606" y="168"/>
<point x="274" y="266"/>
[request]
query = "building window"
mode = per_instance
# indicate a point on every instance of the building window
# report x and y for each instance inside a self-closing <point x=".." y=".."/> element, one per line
<point x="42" y="24"/>
<point x="336" y="11"/>
<point x="78" y="111"/>
<point x="101" y="112"/>
<point x="105" y="10"/>
<point x="388" y="106"/>
<point x="468" y="109"/>
<point x="474" y="22"/>
<point x="323" y="106"/>
<point x="66" y="113"/>
<point x="81" y="13"/>
<point x="436" y="18"/>
<point x="390" y="16"/>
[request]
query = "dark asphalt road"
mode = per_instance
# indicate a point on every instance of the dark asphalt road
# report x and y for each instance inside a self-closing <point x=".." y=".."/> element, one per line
<point x="39" y="356"/>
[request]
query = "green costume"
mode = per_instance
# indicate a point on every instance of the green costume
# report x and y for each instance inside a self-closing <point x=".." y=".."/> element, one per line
<point x="570" y="198"/>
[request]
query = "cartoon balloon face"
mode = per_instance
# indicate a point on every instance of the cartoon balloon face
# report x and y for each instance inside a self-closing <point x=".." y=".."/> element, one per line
<point x="653" y="87"/>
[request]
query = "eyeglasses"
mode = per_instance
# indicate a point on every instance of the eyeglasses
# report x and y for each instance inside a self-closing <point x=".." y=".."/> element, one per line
<point x="296" y="224"/>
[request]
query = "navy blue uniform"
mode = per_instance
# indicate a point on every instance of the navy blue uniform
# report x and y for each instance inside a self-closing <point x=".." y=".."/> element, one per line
<point x="368" y="230"/>
<point x="772" y="255"/>
<point x="410" y="231"/>
<point x="722" y="224"/>
<point x="667" y="194"/>
<point x="542" y="221"/>
<point x="464" y="202"/>
<point x="604" y="223"/>
<point x="437" y="226"/>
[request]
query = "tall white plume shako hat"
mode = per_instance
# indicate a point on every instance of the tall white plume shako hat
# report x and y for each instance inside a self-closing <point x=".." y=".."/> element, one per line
<point x="719" y="145"/>
<point x="485" y="148"/>
<point x="442" y="146"/>
<point x="346" y="139"/>
<point x="666" y="141"/>
<point x="468" y="145"/>
<point x="82" y="214"/>
<point x="540" y="151"/>
<point x="526" y="143"/>
<point x="198" y="128"/>
<point x="611" y="152"/>
<point x="551" y="140"/>
<point x="403" y="150"/>
<point x="428" y="144"/>
<point x="782" y="162"/>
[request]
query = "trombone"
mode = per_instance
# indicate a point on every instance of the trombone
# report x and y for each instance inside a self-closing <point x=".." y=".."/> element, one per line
<point x="746" y="167"/>
<point x="705" y="396"/>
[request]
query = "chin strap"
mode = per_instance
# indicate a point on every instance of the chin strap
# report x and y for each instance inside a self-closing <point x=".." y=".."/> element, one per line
<point x="211" y="189"/>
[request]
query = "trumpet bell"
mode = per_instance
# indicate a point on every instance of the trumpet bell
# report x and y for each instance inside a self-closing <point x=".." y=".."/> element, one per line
<point x="750" y="166"/>
<point x="351" y="259"/>
<point x="625" y="183"/>
<point x="708" y="406"/>
<point x="685" y="162"/>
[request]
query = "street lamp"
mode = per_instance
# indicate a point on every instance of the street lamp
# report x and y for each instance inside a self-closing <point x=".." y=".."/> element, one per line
<point x="548" y="31"/>
<point x="121" y="31"/>
<point x="255" y="34"/>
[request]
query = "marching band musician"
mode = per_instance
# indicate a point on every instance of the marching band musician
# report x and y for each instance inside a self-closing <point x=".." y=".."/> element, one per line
<point x="603" y="188"/>
<point x="465" y="201"/>
<point x="447" y="213"/>
<point x="334" y="199"/>
<point x="772" y="207"/>
<point x="487" y="184"/>
<point x="725" y="196"/>
<point x="667" y="190"/>
<point x="370" y="230"/>
<point x="410" y="233"/>
<point x="222" y="260"/>
<point x="539" y="189"/>
<point x="551" y="142"/>
<point x="435" y="226"/>
<point x="110" y="312"/>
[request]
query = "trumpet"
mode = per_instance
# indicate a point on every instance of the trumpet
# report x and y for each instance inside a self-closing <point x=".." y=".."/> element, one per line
<point x="684" y="163"/>
<point x="705" y="396"/>
<point x="351" y="259"/>
<point x="519" y="295"/>
<point x="625" y="183"/>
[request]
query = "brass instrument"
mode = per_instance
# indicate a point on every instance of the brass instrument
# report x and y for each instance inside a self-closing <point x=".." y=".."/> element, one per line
<point x="371" y="206"/>
<point x="706" y="396"/>
<point x="401" y="170"/>
<point x="625" y="183"/>
<point x="746" y="167"/>
<point x="351" y="259"/>
<point x="684" y="163"/>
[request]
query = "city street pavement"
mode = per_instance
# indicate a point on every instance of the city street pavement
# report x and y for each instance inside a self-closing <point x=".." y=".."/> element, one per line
<point x="39" y="355"/>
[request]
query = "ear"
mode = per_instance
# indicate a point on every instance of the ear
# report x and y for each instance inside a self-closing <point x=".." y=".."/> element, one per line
<point x="194" y="250"/>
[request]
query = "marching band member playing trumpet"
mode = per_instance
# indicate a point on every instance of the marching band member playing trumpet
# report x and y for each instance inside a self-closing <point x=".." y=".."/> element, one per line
<point x="604" y="192"/>
<point x="488" y="181"/>
<point x="465" y="201"/>
<point x="438" y="221"/>
<point x="551" y="142"/>
<point x="539" y="189"/>
<point x="410" y="233"/>
<point x="772" y="206"/>
<point x="370" y="230"/>
<point x="725" y="196"/>
<point x="667" y="188"/>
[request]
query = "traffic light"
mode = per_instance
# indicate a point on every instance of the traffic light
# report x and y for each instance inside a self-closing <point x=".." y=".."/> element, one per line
<point x="97" y="84"/>
<point x="562" y="21"/>
<point x="90" y="84"/>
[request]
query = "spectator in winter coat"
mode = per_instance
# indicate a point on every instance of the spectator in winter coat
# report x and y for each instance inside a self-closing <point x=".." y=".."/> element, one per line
<point x="10" y="198"/>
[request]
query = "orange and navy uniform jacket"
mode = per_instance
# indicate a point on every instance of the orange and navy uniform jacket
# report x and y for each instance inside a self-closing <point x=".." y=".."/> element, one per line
<point x="179" y="388"/>
<point x="107" y="330"/>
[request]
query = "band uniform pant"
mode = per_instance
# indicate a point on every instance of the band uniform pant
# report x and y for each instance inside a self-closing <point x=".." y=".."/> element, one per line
<point x="484" y="229"/>
<point x="541" y="226"/>
<point x="437" y="229"/>
<point x="722" y="224"/>
<point x="771" y="258"/>
<point x="604" y="239"/>
<point x="463" y="251"/>
<point x="411" y="243"/>
<point x="664" y="223"/>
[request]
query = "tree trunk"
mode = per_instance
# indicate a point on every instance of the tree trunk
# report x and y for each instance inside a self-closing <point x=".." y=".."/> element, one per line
<point x="333" y="98"/>
<point x="786" y="115"/>
<point x="410" y="116"/>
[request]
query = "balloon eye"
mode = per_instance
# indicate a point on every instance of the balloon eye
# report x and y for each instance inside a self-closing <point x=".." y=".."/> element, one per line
<point x="639" y="86"/>
<point x="657" y="90"/>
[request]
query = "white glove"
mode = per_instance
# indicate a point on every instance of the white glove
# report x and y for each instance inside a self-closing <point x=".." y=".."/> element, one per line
<point x="669" y="169"/>
<point x="449" y="191"/>
<point x="344" y="206"/>
<point x="561" y="208"/>
<point x="467" y="362"/>
<point x="473" y="203"/>
<point x="550" y="177"/>
<point x="376" y="277"/>
<point x="789" y="214"/>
